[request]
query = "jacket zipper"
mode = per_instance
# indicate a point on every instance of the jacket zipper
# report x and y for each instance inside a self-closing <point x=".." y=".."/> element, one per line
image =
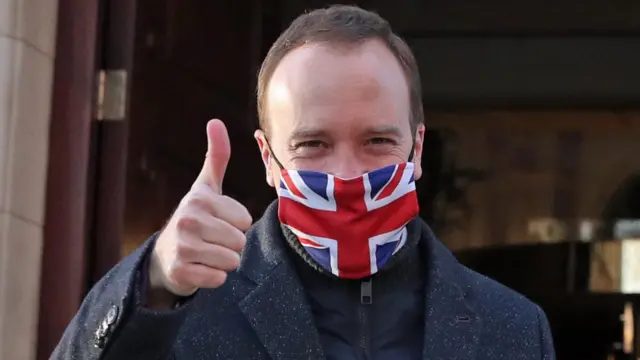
<point x="366" y="299"/>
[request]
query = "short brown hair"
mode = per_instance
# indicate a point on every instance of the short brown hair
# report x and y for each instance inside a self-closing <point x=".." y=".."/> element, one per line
<point x="341" y="24"/>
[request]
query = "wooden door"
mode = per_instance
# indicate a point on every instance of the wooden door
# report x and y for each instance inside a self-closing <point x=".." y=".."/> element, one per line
<point x="193" y="61"/>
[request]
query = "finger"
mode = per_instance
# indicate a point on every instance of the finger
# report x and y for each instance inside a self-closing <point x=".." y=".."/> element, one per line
<point x="217" y="157"/>
<point x="220" y="206"/>
<point x="233" y="212"/>
<point x="204" y="226"/>
<point x="199" y="276"/>
<point x="217" y="257"/>
<point x="194" y="250"/>
<point x="220" y="232"/>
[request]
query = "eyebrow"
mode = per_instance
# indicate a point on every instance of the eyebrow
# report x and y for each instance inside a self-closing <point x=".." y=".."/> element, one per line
<point x="384" y="130"/>
<point x="306" y="133"/>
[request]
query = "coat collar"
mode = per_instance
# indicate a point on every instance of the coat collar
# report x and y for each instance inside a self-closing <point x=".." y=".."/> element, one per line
<point x="452" y="326"/>
<point x="277" y="307"/>
<point x="279" y="313"/>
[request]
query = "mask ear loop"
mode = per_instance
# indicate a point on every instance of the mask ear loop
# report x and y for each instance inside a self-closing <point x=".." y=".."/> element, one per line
<point x="273" y="155"/>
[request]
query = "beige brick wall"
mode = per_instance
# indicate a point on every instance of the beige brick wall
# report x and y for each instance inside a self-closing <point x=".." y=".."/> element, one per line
<point x="27" y="41"/>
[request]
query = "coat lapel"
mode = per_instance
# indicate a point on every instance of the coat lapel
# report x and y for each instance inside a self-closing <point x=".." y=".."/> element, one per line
<point x="277" y="307"/>
<point x="452" y="327"/>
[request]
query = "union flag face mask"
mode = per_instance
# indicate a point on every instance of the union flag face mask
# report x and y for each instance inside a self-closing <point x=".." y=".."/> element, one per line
<point x="350" y="227"/>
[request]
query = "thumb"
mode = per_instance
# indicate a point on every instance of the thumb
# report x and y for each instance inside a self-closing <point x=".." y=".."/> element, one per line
<point x="217" y="158"/>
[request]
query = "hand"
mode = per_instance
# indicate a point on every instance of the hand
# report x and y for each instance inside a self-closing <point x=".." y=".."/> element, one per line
<point x="202" y="240"/>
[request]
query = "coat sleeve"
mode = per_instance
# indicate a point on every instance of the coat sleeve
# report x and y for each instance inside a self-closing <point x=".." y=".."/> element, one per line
<point x="111" y="323"/>
<point x="546" y="338"/>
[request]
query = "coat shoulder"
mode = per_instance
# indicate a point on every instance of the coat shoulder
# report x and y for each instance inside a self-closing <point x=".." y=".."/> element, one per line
<point x="496" y="300"/>
<point x="511" y="322"/>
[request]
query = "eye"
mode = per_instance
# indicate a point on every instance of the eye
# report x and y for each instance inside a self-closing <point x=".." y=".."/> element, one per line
<point x="310" y="144"/>
<point x="381" y="141"/>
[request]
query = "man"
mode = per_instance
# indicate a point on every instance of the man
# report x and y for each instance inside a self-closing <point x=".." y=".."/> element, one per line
<point x="340" y="266"/>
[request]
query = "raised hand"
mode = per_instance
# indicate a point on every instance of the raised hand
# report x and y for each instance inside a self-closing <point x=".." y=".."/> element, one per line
<point x="205" y="235"/>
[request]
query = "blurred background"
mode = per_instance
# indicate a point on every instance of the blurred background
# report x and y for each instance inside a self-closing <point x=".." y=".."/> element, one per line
<point x="532" y="150"/>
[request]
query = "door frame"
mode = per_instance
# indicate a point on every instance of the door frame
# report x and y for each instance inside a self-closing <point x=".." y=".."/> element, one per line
<point x="86" y="174"/>
<point x="108" y="161"/>
<point x="64" y="235"/>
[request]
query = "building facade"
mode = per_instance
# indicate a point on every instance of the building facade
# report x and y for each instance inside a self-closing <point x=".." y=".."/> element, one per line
<point x="27" y="52"/>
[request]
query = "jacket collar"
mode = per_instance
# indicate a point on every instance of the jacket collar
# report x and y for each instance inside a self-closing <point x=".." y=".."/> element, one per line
<point x="452" y="329"/>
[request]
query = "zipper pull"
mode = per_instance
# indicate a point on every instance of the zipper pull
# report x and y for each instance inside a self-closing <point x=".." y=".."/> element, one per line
<point x="366" y="293"/>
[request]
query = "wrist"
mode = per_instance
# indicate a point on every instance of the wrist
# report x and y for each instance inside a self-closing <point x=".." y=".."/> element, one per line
<point x="158" y="295"/>
<point x="156" y="279"/>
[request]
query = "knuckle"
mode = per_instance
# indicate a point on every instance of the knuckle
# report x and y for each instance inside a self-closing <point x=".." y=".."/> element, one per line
<point x="177" y="273"/>
<point x="185" y="251"/>
<point x="185" y="221"/>
<point x="196" y="200"/>
<point x="188" y="198"/>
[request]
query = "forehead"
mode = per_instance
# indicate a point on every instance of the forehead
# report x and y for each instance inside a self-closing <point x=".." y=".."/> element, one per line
<point x="337" y="87"/>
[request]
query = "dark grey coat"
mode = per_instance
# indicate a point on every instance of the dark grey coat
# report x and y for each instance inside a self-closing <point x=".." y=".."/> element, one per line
<point x="261" y="313"/>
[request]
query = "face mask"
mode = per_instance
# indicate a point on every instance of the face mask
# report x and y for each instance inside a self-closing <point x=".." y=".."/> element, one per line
<point x="350" y="227"/>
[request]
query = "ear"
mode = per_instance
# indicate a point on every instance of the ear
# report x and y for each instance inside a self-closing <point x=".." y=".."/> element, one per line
<point x="265" y="154"/>
<point x="417" y="151"/>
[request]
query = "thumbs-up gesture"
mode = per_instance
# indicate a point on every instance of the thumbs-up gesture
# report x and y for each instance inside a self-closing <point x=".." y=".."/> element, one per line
<point x="202" y="240"/>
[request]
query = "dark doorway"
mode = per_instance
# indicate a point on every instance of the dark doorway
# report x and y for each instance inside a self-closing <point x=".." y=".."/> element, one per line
<point x="193" y="61"/>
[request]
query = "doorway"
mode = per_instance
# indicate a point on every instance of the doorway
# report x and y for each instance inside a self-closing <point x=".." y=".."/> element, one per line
<point x="192" y="61"/>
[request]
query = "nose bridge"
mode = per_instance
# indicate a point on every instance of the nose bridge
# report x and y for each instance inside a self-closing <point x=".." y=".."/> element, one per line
<point x="348" y="165"/>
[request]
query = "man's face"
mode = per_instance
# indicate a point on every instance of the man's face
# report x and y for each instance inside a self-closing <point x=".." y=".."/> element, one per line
<point x="340" y="111"/>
